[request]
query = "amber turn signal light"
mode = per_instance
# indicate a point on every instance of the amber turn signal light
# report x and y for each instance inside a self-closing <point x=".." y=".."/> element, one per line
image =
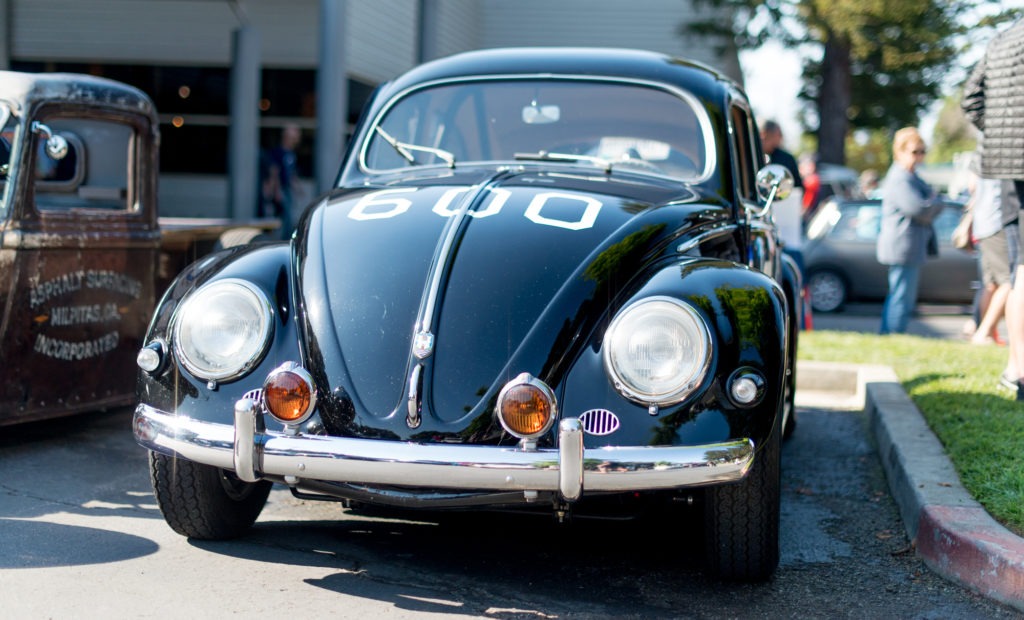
<point x="289" y="394"/>
<point x="526" y="407"/>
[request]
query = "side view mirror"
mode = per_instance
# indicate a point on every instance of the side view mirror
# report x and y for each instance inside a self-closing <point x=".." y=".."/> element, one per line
<point x="774" y="182"/>
<point x="56" y="144"/>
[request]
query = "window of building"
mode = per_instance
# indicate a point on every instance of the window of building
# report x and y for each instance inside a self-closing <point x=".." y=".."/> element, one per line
<point x="193" y="104"/>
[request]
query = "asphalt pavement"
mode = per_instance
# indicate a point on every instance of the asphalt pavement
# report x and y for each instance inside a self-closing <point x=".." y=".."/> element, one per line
<point x="950" y="531"/>
<point x="82" y="537"/>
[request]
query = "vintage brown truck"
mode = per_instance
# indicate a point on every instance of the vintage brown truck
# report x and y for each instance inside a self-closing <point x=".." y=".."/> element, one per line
<point x="83" y="254"/>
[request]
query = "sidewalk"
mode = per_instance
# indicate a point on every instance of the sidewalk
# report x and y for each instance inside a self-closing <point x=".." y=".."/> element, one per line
<point x="952" y="533"/>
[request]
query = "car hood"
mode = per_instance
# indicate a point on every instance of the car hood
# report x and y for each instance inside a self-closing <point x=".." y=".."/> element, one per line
<point x="442" y="288"/>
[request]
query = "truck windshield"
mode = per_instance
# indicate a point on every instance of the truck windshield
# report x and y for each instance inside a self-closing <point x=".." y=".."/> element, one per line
<point x="602" y="123"/>
<point x="8" y="123"/>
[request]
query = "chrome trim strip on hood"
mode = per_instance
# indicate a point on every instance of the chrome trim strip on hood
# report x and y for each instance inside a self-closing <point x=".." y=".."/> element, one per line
<point x="423" y="338"/>
<point x="435" y="466"/>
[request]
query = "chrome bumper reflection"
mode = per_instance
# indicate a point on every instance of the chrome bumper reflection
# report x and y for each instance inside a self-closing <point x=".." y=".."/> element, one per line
<point x="569" y="469"/>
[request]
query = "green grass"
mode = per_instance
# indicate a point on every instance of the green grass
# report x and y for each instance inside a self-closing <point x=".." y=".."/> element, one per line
<point x="954" y="384"/>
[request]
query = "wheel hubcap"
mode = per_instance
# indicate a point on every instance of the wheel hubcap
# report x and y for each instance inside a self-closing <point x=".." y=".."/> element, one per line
<point x="827" y="292"/>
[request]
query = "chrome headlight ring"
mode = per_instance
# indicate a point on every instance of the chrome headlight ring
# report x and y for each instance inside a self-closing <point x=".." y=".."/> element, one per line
<point x="657" y="351"/>
<point x="222" y="329"/>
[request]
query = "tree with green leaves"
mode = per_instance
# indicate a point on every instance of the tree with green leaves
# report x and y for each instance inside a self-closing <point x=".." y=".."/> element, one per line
<point x="869" y="64"/>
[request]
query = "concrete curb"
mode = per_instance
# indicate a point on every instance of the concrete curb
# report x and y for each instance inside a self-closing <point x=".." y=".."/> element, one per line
<point x="952" y="532"/>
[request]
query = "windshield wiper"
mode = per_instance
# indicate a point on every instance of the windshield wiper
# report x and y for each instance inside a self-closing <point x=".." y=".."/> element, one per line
<point x="404" y="148"/>
<point x="548" y="156"/>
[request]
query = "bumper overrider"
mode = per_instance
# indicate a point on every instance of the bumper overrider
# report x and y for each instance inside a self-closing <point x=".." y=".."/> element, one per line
<point x="253" y="454"/>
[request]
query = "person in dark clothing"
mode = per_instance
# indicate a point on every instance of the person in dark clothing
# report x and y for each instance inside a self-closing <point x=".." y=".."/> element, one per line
<point x="278" y="175"/>
<point x="771" y="142"/>
<point x="787" y="213"/>
<point x="270" y="178"/>
<point x="994" y="102"/>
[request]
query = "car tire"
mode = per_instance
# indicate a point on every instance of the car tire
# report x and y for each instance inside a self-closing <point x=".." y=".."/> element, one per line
<point x="789" y="404"/>
<point x="789" y="394"/>
<point x="204" y="502"/>
<point x="828" y="290"/>
<point x="790" y="426"/>
<point x="741" y="520"/>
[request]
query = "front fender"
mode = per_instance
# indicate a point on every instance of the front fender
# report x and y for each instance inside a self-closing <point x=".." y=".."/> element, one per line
<point x="745" y="312"/>
<point x="173" y="388"/>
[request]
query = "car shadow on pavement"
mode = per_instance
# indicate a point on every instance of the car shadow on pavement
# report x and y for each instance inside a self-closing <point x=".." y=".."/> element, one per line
<point x="486" y="564"/>
<point x="55" y="475"/>
<point x="40" y="544"/>
<point x="84" y="465"/>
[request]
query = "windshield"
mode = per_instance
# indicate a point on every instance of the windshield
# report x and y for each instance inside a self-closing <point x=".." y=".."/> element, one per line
<point x="606" y="124"/>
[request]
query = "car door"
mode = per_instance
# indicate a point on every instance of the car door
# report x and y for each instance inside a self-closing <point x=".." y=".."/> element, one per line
<point x="81" y="247"/>
<point x="762" y="249"/>
<point x="953" y="275"/>
<point x="854" y="240"/>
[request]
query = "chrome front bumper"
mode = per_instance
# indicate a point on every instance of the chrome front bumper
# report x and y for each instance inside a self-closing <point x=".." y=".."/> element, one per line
<point x="569" y="469"/>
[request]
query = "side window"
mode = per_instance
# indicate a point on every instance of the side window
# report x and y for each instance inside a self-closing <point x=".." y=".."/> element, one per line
<point x="95" y="171"/>
<point x="744" y="166"/>
<point x="858" y="223"/>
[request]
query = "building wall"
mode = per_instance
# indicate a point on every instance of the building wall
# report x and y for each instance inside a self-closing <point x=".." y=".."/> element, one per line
<point x="657" y="25"/>
<point x="381" y="34"/>
<point x="381" y="42"/>
<point x="180" y="32"/>
<point x="460" y="24"/>
<point x="381" y="38"/>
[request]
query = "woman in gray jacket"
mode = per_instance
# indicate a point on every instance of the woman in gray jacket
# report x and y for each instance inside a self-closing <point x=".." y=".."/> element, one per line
<point x="907" y="237"/>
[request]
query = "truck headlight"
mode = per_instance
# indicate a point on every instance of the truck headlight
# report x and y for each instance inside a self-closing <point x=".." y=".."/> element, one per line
<point x="657" y="351"/>
<point x="221" y="331"/>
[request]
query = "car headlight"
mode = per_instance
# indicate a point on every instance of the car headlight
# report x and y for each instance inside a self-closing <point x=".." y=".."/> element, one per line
<point x="657" y="351"/>
<point x="221" y="331"/>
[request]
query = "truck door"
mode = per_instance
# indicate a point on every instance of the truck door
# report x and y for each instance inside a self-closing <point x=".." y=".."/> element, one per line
<point x="84" y="242"/>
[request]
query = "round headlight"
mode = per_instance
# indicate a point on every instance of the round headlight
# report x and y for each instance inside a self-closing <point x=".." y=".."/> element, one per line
<point x="221" y="330"/>
<point x="657" y="351"/>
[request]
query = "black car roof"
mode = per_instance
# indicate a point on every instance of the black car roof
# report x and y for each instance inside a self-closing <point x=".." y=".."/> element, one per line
<point x="702" y="80"/>
<point x="712" y="89"/>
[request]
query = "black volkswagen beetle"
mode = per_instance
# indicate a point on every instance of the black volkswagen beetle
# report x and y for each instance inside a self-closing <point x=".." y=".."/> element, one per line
<point x="546" y="279"/>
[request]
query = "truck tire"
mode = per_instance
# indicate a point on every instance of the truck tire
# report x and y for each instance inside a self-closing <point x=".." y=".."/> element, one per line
<point x="741" y="520"/>
<point x="204" y="502"/>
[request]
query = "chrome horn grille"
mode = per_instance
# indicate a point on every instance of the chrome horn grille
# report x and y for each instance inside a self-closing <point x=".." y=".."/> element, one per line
<point x="255" y="395"/>
<point x="599" y="422"/>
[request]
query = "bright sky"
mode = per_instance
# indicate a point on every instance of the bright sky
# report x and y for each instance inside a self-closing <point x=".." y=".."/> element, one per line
<point x="772" y="75"/>
<point x="772" y="81"/>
